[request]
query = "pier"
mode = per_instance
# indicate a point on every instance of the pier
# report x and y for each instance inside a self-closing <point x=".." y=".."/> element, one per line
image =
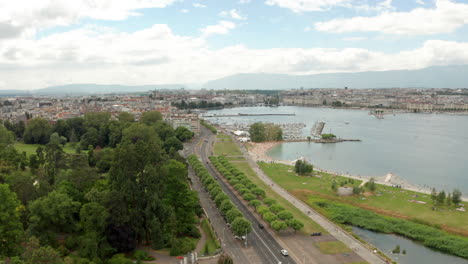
<point x="240" y="114"/>
<point x="324" y="141"/>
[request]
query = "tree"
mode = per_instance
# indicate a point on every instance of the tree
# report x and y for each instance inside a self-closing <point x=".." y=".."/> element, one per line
<point x="456" y="196"/>
<point x="11" y="229"/>
<point x="151" y="117"/>
<point x="257" y="132"/>
<point x="255" y="203"/>
<point x="225" y="206"/>
<point x="433" y="195"/>
<point x="173" y="143"/>
<point x="241" y="226"/>
<point x="37" y="131"/>
<point x="295" y="224"/>
<point x="302" y="167"/>
<point x="93" y="217"/>
<point x="91" y="137"/>
<point x="259" y="192"/>
<point x="269" y="217"/>
<point x="183" y="134"/>
<point x="53" y="213"/>
<point x="441" y="197"/>
<point x="233" y="214"/>
<point x="269" y="201"/>
<point x="285" y="215"/>
<point x="6" y="137"/>
<point x="276" y="208"/>
<point x="278" y="225"/>
<point x="371" y="184"/>
<point x="448" y="200"/>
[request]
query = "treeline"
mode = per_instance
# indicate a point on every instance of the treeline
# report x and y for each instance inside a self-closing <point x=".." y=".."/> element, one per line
<point x="429" y="236"/>
<point x="273" y="213"/>
<point x="260" y="132"/>
<point x="86" y="207"/>
<point x="201" y="104"/>
<point x="239" y="225"/>
<point x="210" y="127"/>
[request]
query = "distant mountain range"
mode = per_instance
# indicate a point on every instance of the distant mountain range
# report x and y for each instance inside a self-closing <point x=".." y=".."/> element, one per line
<point x="432" y="77"/>
<point x="86" y="89"/>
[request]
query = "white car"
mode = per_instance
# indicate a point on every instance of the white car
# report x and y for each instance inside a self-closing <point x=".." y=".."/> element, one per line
<point x="284" y="252"/>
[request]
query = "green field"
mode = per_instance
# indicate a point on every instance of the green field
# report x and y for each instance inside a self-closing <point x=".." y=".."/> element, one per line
<point x="31" y="148"/>
<point x="385" y="200"/>
<point x="332" y="247"/>
<point x="224" y="146"/>
<point x="211" y="243"/>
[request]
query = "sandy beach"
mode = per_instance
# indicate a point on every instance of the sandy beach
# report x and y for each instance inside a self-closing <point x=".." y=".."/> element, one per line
<point x="258" y="152"/>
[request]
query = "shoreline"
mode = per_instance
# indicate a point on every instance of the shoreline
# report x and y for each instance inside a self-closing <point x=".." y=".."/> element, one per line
<point x="258" y="152"/>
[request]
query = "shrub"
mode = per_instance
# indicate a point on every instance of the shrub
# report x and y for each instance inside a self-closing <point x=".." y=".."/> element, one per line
<point x="249" y="197"/>
<point x="285" y="215"/>
<point x="269" y="217"/>
<point x="233" y="214"/>
<point x="255" y="203"/>
<point x="276" y="208"/>
<point x="258" y="192"/>
<point x="263" y="209"/>
<point x="278" y="225"/>
<point x="269" y="201"/>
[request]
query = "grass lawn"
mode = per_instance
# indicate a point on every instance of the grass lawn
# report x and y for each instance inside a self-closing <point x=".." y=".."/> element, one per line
<point x="240" y="158"/>
<point x="385" y="200"/>
<point x="332" y="247"/>
<point x="225" y="146"/>
<point x="358" y="262"/>
<point x="211" y="244"/>
<point x="31" y="148"/>
<point x="309" y="225"/>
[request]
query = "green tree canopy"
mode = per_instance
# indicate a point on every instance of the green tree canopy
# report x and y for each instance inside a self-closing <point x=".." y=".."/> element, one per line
<point x="151" y="117"/>
<point x="37" y="131"/>
<point x="241" y="226"/>
<point x="11" y="229"/>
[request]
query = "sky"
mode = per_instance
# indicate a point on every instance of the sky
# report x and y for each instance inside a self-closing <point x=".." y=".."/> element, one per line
<point x="134" y="42"/>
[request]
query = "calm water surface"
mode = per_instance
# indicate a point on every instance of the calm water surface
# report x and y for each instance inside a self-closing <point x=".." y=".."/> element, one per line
<point x="422" y="149"/>
<point x="415" y="252"/>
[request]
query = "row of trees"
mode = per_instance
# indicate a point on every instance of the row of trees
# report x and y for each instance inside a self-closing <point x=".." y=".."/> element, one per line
<point x="66" y="208"/>
<point x="449" y="199"/>
<point x="273" y="213"/>
<point x="260" y="132"/>
<point x="239" y="225"/>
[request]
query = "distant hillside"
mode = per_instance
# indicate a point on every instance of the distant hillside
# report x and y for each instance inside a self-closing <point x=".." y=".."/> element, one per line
<point x="84" y="89"/>
<point x="432" y="77"/>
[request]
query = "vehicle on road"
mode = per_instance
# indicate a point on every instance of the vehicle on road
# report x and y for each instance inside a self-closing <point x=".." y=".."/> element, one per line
<point x="284" y="252"/>
<point x="260" y="226"/>
<point x="316" y="234"/>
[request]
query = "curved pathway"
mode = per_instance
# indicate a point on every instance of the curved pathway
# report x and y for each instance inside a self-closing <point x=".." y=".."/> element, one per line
<point x="333" y="229"/>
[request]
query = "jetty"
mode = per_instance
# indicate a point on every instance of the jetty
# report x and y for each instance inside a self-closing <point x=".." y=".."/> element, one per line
<point x="324" y="141"/>
<point x="241" y="114"/>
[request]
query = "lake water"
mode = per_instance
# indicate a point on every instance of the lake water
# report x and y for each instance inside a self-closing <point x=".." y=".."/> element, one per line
<point x="415" y="252"/>
<point x="422" y="149"/>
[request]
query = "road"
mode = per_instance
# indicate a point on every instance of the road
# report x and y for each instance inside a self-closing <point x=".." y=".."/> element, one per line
<point x="333" y="229"/>
<point x="267" y="248"/>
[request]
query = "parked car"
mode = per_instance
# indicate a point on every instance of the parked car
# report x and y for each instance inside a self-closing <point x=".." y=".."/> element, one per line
<point x="260" y="226"/>
<point x="284" y="252"/>
<point x="316" y="234"/>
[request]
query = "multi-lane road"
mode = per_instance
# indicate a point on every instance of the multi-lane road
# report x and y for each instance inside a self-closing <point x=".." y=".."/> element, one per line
<point x="264" y="244"/>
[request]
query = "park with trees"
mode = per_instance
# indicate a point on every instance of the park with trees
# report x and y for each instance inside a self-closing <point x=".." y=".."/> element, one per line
<point x="123" y="185"/>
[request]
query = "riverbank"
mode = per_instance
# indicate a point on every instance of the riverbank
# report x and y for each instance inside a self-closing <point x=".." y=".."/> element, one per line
<point x="259" y="153"/>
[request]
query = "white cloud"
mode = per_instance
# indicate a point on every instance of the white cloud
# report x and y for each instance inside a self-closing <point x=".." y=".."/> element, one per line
<point x="244" y="1"/>
<point x="222" y="28"/>
<point x="185" y="11"/>
<point x="233" y="13"/>
<point x="19" y="16"/>
<point x="420" y="2"/>
<point x="446" y="17"/>
<point x="156" y="55"/>
<point x="307" y="5"/>
<point x="198" y="5"/>
<point x="355" y="38"/>
<point x="385" y="5"/>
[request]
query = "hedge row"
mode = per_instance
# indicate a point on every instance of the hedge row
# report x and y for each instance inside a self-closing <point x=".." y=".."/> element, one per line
<point x="273" y="213"/>
<point x="210" y="127"/>
<point x="239" y="225"/>
<point x="428" y="236"/>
